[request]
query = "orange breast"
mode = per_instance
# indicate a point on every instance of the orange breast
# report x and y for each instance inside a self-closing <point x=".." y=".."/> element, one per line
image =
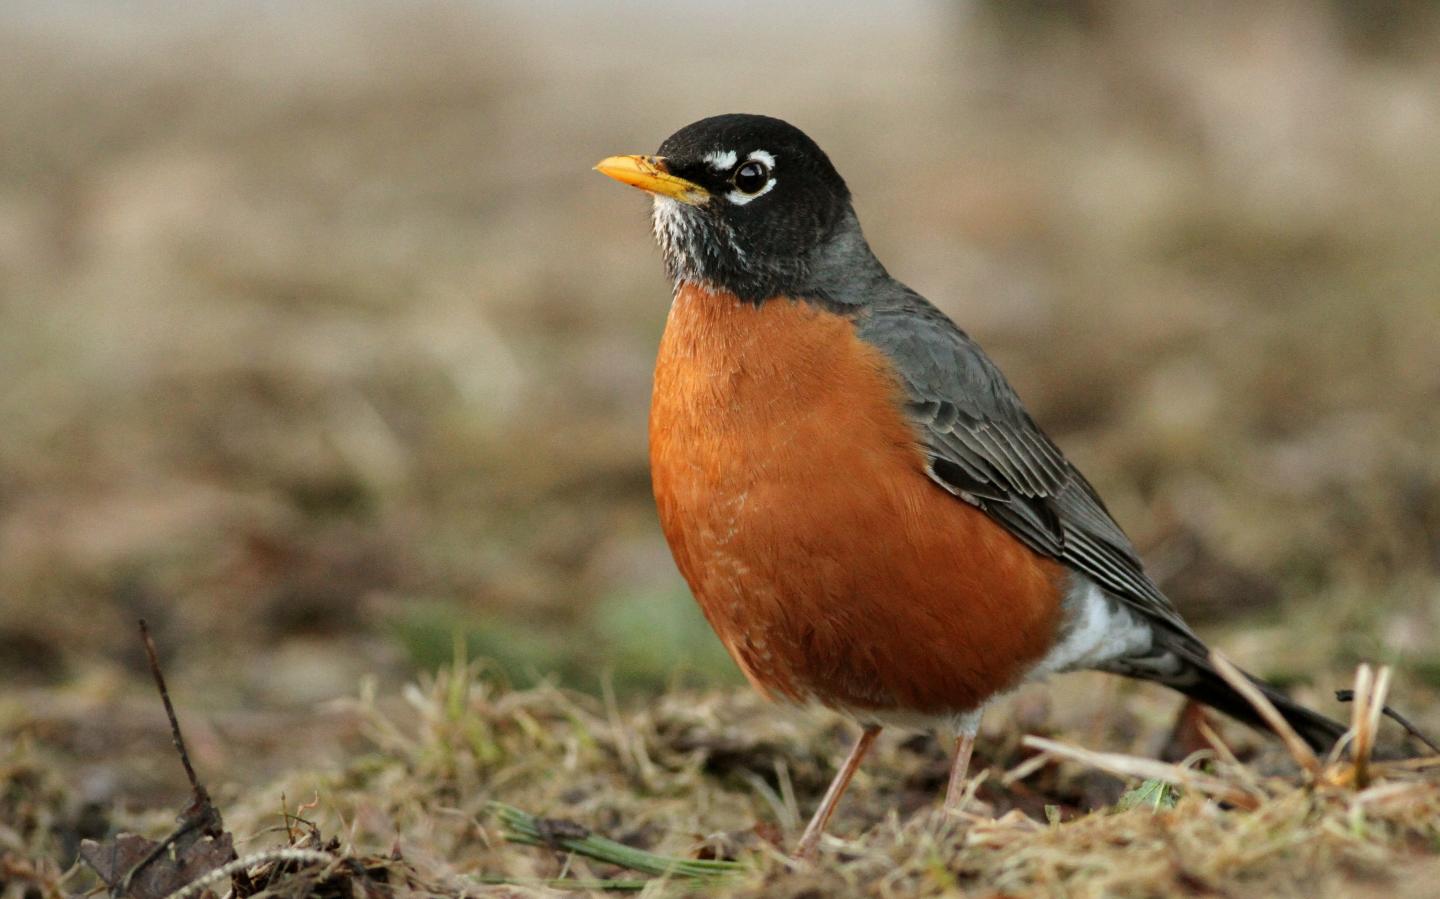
<point x="793" y="495"/>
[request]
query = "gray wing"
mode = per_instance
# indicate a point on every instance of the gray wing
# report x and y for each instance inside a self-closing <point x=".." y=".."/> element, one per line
<point x="985" y="448"/>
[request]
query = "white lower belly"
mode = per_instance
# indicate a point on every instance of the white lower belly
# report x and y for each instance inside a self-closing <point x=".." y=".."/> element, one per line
<point x="1097" y="629"/>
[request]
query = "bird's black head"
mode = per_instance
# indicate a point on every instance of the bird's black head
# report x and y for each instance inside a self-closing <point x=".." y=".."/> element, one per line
<point x="746" y="204"/>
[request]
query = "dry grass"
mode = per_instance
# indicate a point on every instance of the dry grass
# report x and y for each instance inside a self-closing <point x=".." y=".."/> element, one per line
<point x="721" y="776"/>
<point x="320" y="344"/>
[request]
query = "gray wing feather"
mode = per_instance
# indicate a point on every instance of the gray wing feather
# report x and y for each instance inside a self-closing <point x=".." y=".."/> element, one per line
<point x="984" y="447"/>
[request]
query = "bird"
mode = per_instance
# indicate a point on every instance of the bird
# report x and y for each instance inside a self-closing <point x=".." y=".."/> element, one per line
<point x="865" y="511"/>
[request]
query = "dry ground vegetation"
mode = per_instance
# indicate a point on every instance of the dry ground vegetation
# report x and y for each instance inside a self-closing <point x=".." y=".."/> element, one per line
<point x="418" y="812"/>
<point x="320" y="346"/>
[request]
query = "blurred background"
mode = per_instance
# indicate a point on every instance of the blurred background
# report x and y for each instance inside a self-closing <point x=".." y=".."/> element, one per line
<point x="321" y="346"/>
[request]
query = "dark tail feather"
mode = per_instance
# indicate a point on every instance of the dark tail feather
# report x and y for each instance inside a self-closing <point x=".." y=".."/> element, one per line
<point x="1210" y="688"/>
<point x="1182" y="663"/>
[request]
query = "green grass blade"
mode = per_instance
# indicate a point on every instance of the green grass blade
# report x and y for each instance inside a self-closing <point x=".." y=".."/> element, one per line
<point x="616" y="885"/>
<point x="524" y="828"/>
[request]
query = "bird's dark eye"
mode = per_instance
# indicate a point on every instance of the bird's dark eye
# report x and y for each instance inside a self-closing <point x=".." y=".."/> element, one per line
<point x="752" y="177"/>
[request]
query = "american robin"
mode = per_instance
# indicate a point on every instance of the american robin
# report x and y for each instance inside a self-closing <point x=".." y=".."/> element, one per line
<point x="859" y="501"/>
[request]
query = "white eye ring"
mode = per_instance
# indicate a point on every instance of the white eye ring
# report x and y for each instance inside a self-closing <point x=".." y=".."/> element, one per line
<point x="766" y="163"/>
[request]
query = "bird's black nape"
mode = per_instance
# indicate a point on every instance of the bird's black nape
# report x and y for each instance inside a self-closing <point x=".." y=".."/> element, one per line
<point x="775" y="201"/>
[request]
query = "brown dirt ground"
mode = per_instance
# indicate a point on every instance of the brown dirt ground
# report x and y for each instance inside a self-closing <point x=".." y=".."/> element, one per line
<point x="320" y="344"/>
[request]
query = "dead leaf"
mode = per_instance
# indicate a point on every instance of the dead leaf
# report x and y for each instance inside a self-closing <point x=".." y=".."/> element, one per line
<point x="173" y="869"/>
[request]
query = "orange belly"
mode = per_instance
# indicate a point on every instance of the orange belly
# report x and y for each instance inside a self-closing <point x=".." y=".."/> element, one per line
<point x="792" y="492"/>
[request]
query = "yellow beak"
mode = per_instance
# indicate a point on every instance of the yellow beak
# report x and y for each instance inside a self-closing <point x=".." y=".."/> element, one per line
<point x="649" y="173"/>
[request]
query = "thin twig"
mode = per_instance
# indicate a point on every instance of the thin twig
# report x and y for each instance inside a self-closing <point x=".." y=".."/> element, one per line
<point x="170" y="710"/>
<point x="202" y="814"/>
<point x="1388" y="712"/>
